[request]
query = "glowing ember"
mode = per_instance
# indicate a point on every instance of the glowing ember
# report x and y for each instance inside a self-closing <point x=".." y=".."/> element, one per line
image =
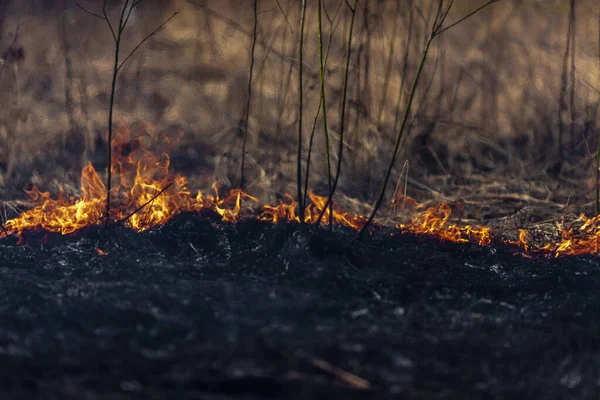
<point x="146" y="194"/>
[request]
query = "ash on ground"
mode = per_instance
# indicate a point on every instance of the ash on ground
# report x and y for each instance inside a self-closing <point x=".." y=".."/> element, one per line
<point x="201" y="309"/>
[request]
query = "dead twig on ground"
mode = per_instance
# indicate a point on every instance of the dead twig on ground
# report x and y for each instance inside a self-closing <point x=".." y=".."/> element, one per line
<point x="348" y="378"/>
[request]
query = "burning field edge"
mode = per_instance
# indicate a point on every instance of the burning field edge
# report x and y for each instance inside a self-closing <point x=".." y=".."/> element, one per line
<point x="146" y="193"/>
<point x="426" y="306"/>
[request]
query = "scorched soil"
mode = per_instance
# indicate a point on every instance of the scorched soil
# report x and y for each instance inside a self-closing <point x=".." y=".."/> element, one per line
<point x="196" y="309"/>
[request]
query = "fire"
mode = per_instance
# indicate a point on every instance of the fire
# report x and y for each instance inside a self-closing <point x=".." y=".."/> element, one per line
<point x="583" y="240"/>
<point x="64" y="214"/>
<point x="146" y="193"/>
<point x="434" y="221"/>
<point x="286" y="211"/>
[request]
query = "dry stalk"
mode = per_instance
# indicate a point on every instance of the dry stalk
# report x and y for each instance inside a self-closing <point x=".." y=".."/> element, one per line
<point x="117" y="35"/>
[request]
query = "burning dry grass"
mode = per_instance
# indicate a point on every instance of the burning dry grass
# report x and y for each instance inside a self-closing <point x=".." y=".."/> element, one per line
<point x="147" y="194"/>
<point x="489" y="99"/>
<point x="489" y="106"/>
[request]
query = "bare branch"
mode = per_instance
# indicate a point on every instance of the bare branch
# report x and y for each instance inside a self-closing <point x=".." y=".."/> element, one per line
<point x="439" y="32"/>
<point x="88" y="12"/>
<point x="154" y="32"/>
<point x="233" y="24"/>
<point x="104" y="16"/>
<point x="133" y="5"/>
<point x="121" y="24"/>
<point x="108" y="21"/>
<point x="349" y="6"/>
<point x="327" y="14"/>
<point x="438" y="20"/>
<point x="284" y="16"/>
<point x="249" y="98"/>
<point x="445" y="15"/>
<point x="337" y="11"/>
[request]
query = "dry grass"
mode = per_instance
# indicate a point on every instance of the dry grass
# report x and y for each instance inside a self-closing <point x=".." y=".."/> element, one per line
<point x="488" y="104"/>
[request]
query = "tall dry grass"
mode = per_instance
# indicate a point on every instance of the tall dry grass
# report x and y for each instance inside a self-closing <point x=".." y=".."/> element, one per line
<point x="491" y="101"/>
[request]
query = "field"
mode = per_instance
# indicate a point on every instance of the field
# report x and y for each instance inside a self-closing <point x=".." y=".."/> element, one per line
<point x="479" y="274"/>
<point x="498" y="110"/>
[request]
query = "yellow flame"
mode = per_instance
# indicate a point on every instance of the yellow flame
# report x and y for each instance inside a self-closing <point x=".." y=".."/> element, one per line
<point x="140" y="177"/>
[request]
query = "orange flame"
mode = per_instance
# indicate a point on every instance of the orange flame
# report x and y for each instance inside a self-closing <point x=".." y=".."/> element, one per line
<point x="434" y="221"/>
<point x="147" y="194"/>
<point x="286" y="211"/>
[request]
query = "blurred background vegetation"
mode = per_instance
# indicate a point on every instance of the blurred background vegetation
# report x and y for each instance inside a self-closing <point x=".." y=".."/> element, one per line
<point x="506" y="114"/>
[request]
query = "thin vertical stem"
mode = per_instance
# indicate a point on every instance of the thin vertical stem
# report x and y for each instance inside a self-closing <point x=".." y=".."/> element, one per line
<point x="249" y="93"/>
<point x="300" y="112"/>
<point x="404" y="68"/>
<point x="338" y="171"/>
<point x="404" y="119"/>
<point x="314" y="126"/>
<point x="113" y="87"/>
<point x="126" y="12"/>
<point x="564" y="79"/>
<point x="436" y="30"/>
<point x="323" y="102"/>
<point x="597" y="174"/>
<point x="572" y="75"/>
<point x="388" y="68"/>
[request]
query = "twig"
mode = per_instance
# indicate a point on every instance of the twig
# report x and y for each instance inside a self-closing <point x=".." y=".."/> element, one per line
<point x="404" y="167"/>
<point x="337" y="11"/>
<point x="245" y="134"/>
<point x="388" y="69"/>
<point x="108" y="21"/>
<point x="300" y="112"/>
<point x="404" y="67"/>
<point x="111" y="109"/>
<point x="436" y="30"/>
<point x="348" y="378"/>
<point x="485" y="198"/>
<point x="352" y="9"/>
<point x="597" y="174"/>
<point x="236" y="26"/>
<point x="329" y="201"/>
<point x="469" y="15"/>
<point x="284" y="16"/>
<point x="154" y="32"/>
<point x="314" y="126"/>
<point x="324" y="103"/>
<point x="88" y="12"/>
<point x="123" y="20"/>
<point x="145" y="204"/>
<point x="402" y="125"/>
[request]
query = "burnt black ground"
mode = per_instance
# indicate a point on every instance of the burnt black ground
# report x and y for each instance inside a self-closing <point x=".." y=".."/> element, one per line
<point x="199" y="309"/>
